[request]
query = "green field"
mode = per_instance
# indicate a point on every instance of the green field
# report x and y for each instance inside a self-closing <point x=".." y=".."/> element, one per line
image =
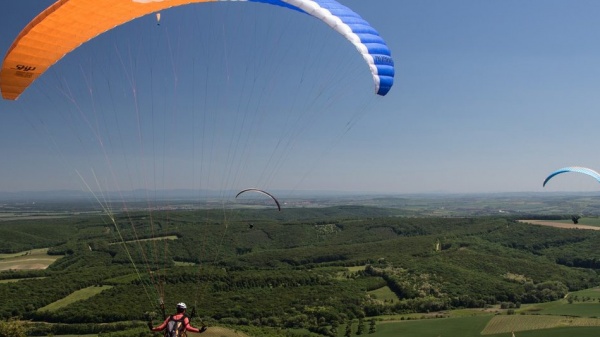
<point x="355" y="269"/>
<point x="168" y="237"/>
<point x="125" y="279"/>
<point x="586" y="304"/>
<point x="444" y="327"/>
<point x="582" y="309"/>
<point x="489" y="326"/>
<point x="81" y="294"/>
<point x="591" y="293"/>
<point x="384" y="294"/>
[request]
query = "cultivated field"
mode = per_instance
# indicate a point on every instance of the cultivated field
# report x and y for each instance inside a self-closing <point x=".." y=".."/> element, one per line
<point x="508" y="323"/>
<point x="78" y="295"/>
<point x="446" y="327"/>
<point x="487" y="325"/>
<point x="561" y="224"/>
<point x="168" y="237"/>
<point x="384" y="294"/>
<point x="551" y="319"/>
<point x="32" y="259"/>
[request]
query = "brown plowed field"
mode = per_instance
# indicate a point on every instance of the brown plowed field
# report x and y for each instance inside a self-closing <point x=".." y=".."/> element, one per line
<point x="559" y="224"/>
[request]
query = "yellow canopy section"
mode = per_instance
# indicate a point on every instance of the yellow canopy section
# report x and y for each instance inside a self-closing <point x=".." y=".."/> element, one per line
<point x="63" y="27"/>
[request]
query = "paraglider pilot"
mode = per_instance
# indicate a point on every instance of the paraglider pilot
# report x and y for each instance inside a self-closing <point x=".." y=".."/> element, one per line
<point x="176" y="325"/>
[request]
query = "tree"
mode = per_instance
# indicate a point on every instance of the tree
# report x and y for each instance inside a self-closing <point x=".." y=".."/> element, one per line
<point x="334" y="327"/>
<point x="348" y="332"/>
<point x="12" y="328"/>
<point x="372" y="326"/>
<point x="361" y="327"/>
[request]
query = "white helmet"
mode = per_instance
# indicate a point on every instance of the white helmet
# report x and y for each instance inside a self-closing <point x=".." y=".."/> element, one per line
<point x="181" y="305"/>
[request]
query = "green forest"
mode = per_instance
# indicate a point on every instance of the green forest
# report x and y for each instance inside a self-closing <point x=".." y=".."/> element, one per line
<point x="299" y="272"/>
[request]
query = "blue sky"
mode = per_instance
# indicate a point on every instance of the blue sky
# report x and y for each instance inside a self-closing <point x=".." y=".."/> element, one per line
<point x="490" y="96"/>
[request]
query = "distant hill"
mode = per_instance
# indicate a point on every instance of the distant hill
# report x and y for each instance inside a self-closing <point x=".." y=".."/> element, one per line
<point x="302" y="268"/>
<point x="491" y="204"/>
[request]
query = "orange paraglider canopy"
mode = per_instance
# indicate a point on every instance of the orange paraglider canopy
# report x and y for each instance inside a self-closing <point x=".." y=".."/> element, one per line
<point x="63" y="27"/>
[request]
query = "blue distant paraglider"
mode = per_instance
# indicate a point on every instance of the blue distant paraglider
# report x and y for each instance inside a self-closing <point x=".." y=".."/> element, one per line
<point x="576" y="169"/>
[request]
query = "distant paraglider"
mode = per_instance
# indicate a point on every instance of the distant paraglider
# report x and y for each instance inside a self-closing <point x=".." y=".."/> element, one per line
<point x="260" y="191"/>
<point x="576" y="169"/>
